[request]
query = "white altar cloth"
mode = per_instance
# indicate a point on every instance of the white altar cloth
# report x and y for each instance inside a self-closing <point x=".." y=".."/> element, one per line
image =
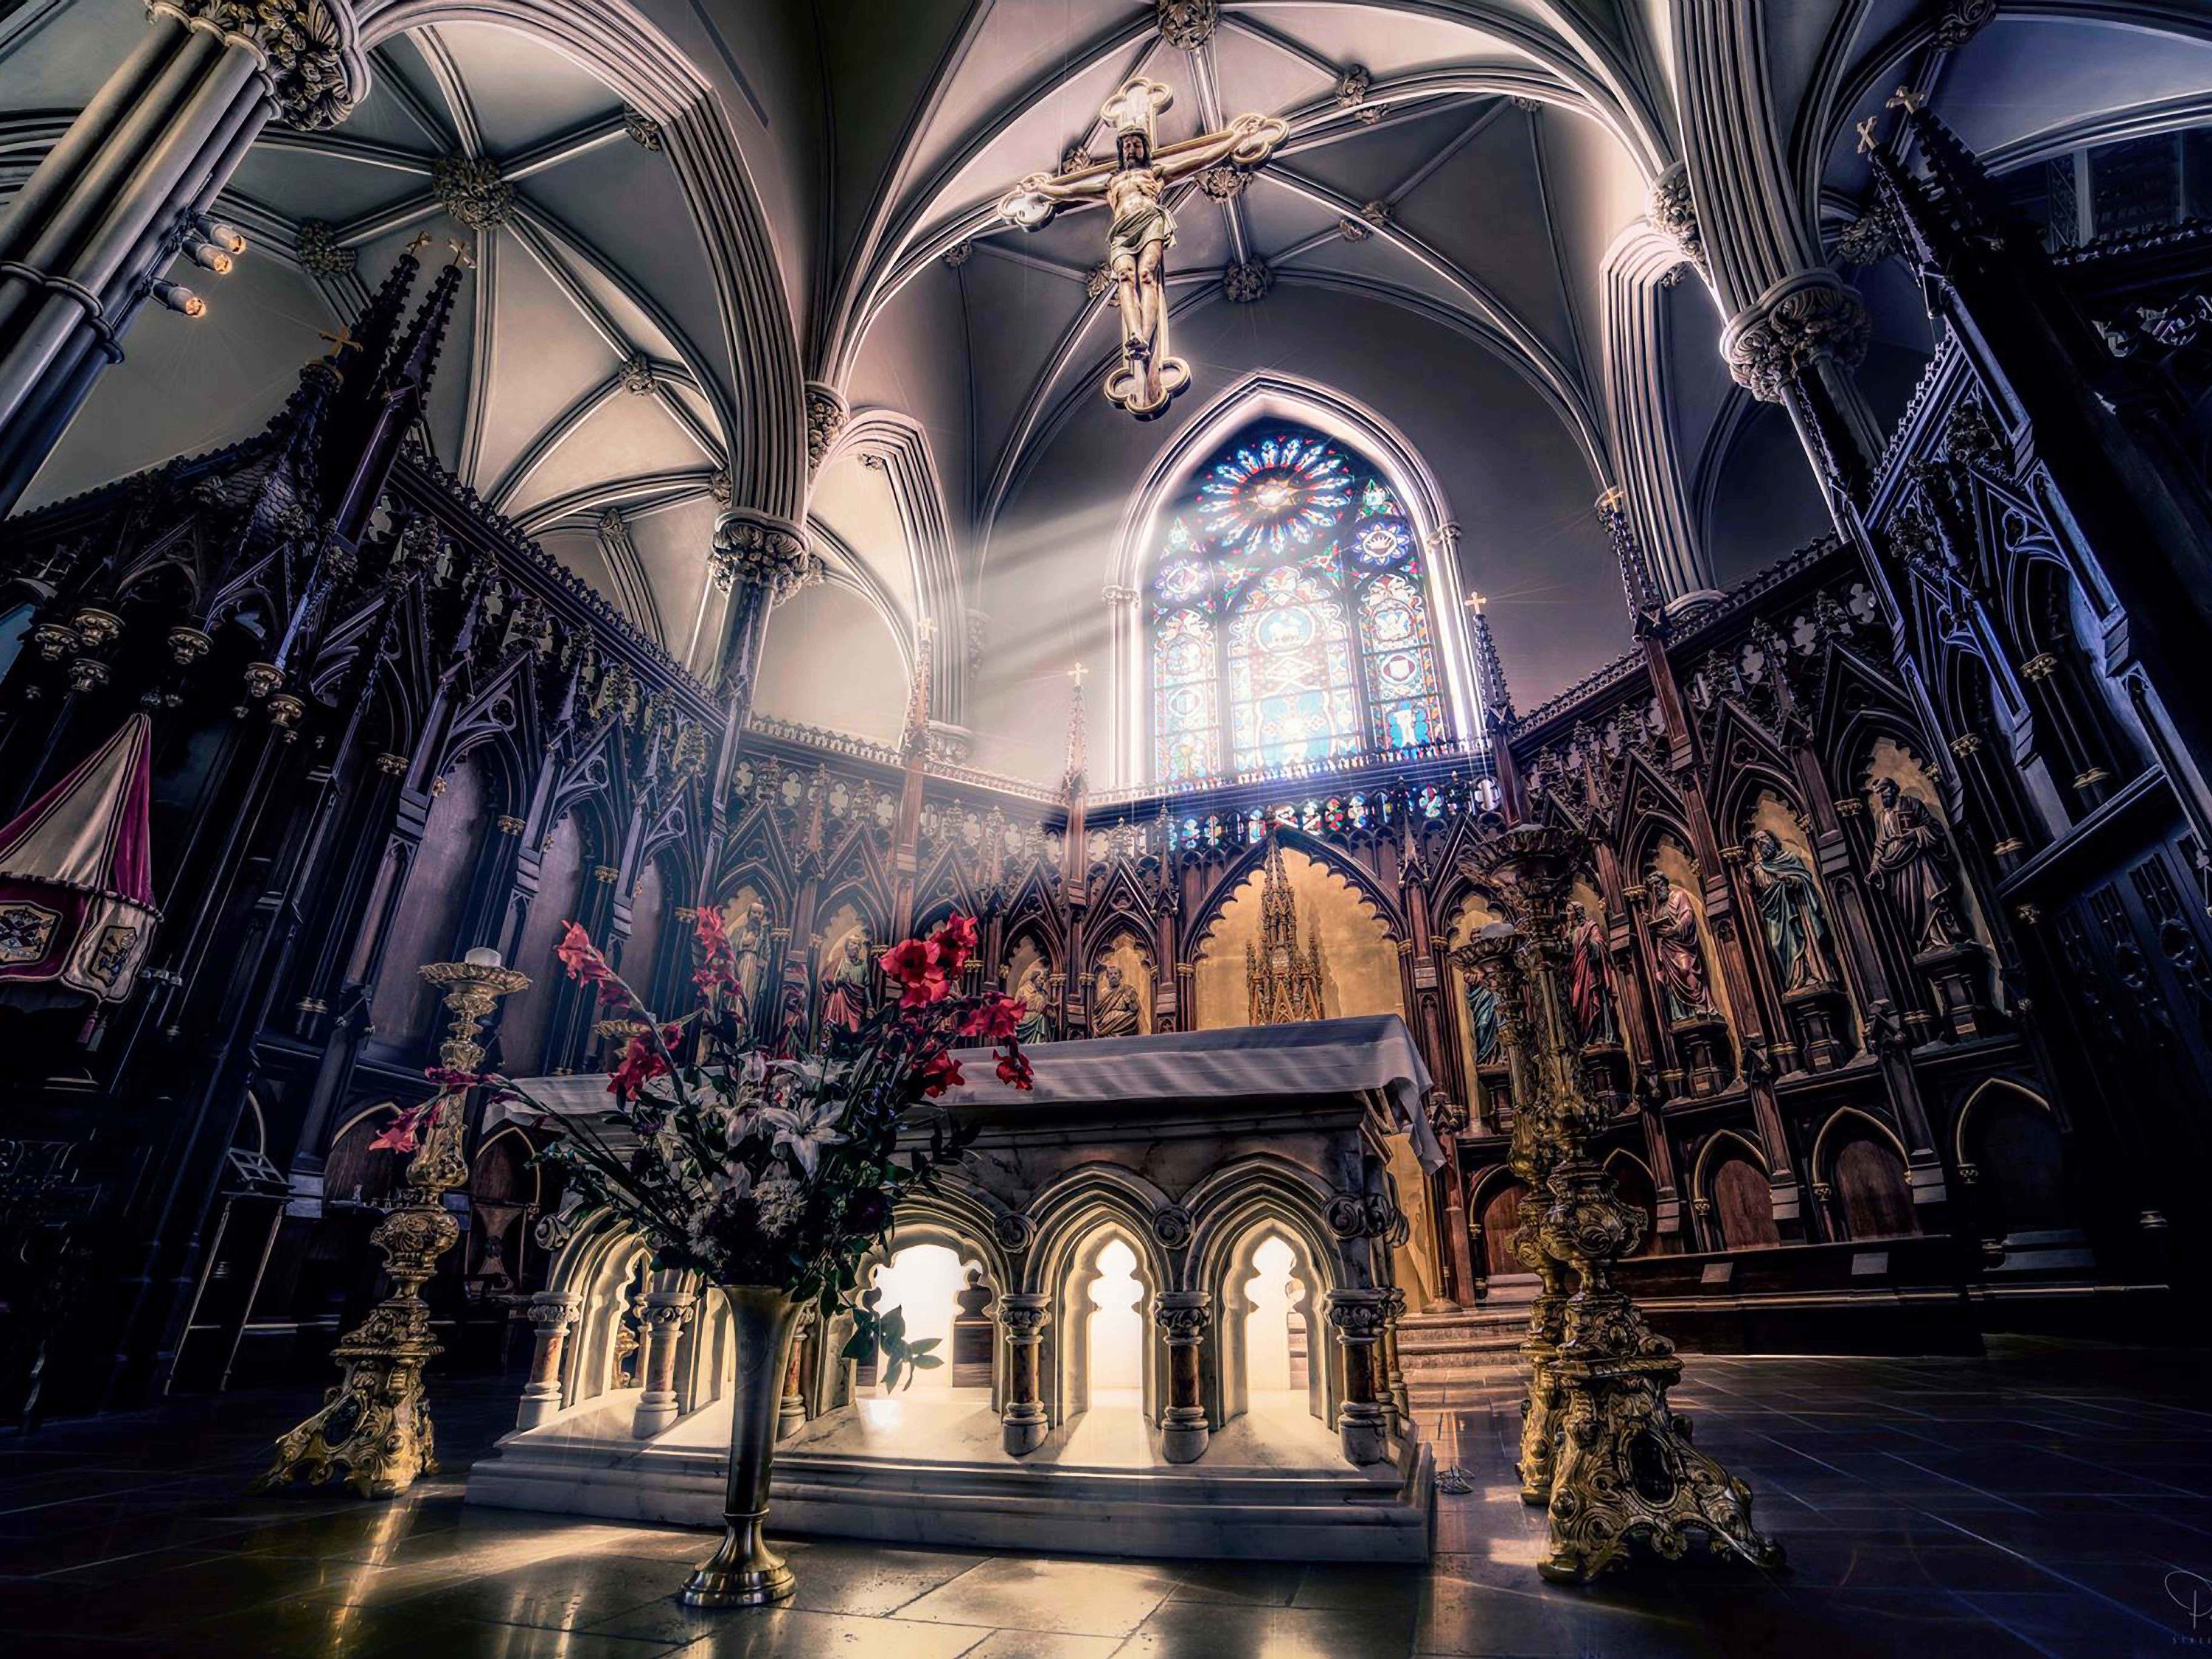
<point x="1371" y="1052"/>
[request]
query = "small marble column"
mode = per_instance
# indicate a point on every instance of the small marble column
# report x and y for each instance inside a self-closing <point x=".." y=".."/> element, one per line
<point x="1401" y="1404"/>
<point x="1184" y="1317"/>
<point x="551" y="1314"/>
<point x="1362" y="1421"/>
<point x="791" y="1411"/>
<point x="1022" y="1315"/>
<point x="664" y="1315"/>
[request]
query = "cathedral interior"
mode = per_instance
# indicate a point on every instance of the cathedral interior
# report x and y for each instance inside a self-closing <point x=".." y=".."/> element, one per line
<point x="1548" y="643"/>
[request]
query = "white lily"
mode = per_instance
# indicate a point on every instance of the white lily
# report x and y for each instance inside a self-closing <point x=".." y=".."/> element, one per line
<point x="804" y="1133"/>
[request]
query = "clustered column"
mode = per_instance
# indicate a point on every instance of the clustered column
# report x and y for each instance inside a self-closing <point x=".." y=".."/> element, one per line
<point x="127" y="188"/>
<point x="1023" y="1316"/>
<point x="551" y="1314"/>
<point x="1184" y="1317"/>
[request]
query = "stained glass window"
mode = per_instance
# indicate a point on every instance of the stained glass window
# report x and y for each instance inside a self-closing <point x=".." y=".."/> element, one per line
<point x="1290" y="621"/>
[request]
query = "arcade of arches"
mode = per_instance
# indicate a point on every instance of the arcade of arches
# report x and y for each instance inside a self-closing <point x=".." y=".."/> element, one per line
<point x="468" y="468"/>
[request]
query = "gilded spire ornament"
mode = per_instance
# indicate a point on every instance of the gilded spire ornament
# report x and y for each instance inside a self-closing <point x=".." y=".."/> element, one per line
<point x="1283" y="980"/>
<point x="1134" y="184"/>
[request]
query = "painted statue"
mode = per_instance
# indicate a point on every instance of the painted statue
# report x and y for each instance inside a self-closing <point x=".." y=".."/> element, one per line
<point x="1590" y="990"/>
<point x="1482" y="1020"/>
<point x="745" y="948"/>
<point x="792" y="1034"/>
<point x="1116" y="1013"/>
<point x="1132" y="186"/>
<point x="1791" y="912"/>
<point x="1033" y="996"/>
<point x="845" y="997"/>
<point x="1912" y="869"/>
<point x="1681" y="952"/>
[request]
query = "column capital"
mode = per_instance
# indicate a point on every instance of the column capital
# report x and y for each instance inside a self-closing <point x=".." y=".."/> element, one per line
<point x="756" y="550"/>
<point x="1183" y="1316"/>
<point x="554" y="1308"/>
<point x="1359" y="1316"/>
<point x="1023" y="1315"/>
<point x="827" y="411"/>
<point x="310" y="50"/>
<point x="1672" y="212"/>
<point x="1797" y="323"/>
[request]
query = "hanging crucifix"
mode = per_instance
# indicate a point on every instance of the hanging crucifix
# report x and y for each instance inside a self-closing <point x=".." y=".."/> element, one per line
<point x="1132" y="184"/>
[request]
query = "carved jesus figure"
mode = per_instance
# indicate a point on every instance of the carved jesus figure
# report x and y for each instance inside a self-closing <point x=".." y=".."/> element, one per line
<point x="1133" y="186"/>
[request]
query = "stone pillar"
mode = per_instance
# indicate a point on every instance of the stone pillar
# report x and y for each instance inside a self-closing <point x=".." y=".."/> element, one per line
<point x="791" y="1411"/>
<point x="1394" y="1377"/>
<point x="1022" y="1315"/>
<point x="551" y="1314"/>
<point x="1362" y="1421"/>
<point x="664" y="1315"/>
<point x="758" y="560"/>
<point x="125" y="190"/>
<point x="1184" y="1317"/>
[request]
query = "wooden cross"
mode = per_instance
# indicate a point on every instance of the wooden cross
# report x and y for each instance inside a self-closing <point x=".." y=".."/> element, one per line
<point x="1905" y="98"/>
<point x="1868" y="142"/>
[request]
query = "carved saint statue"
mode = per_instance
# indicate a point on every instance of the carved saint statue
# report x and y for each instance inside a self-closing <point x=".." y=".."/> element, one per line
<point x="1133" y="185"/>
<point x="1031" y="1028"/>
<point x="1482" y="1020"/>
<point x="745" y="948"/>
<point x="1115" y="1013"/>
<point x="1791" y="912"/>
<point x="1912" y="869"/>
<point x="845" y="987"/>
<point x="1590" y="990"/>
<point x="1681" y="952"/>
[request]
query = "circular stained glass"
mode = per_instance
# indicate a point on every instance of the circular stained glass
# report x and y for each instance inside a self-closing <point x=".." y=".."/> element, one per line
<point x="1383" y="541"/>
<point x="1186" y="703"/>
<point x="1186" y="658"/>
<point x="1276" y="493"/>
<point x="1400" y="670"/>
<point x="1182" y="580"/>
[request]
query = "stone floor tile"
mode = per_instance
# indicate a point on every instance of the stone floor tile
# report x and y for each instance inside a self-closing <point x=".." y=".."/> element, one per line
<point x="794" y="1633"/>
<point x="1192" y="1630"/>
<point x="1073" y="1597"/>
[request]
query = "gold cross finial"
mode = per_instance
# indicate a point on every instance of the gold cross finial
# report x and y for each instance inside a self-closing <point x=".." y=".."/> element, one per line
<point x="1868" y="142"/>
<point x="1905" y="98"/>
<point x="463" y="256"/>
<point x="339" y="341"/>
<point x="1079" y="674"/>
<point x="422" y="239"/>
<point x="1476" y="601"/>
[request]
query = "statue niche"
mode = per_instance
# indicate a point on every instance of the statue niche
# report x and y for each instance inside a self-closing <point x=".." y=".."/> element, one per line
<point x="1912" y="869"/>
<point x="1682" y="969"/>
<point x="1122" y="993"/>
<point x="1799" y="941"/>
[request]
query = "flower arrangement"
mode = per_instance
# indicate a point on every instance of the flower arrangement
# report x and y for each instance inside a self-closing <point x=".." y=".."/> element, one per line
<point x="752" y="1165"/>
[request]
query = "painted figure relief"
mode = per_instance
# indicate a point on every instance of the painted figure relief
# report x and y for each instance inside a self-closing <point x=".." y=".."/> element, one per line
<point x="1482" y="1020"/>
<point x="1791" y="913"/>
<point x="1913" y="865"/>
<point x="1679" y="953"/>
<point x="1590" y="989"/>
<point x="845" y="989"/>
<point x="1115" y="1013"/>
<point x="1033" y="991"/>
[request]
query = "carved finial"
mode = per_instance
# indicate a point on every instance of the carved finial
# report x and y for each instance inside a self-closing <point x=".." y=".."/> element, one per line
<point x="1905" y="98"/>
<point x="339" y="341"/>
<point x="464" y="255"/>
<point x="1079" y="674"/>
<point x="1475" y="602"/>
<point x="1868" y="142"/>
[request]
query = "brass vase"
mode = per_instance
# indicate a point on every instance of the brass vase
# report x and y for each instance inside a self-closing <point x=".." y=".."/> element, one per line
<point x="746" y="1572"/>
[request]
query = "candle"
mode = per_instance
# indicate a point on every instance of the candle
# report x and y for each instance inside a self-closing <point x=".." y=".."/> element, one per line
<point x="483" y="957"/>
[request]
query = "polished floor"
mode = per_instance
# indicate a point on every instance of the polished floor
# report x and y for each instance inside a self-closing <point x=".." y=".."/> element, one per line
<point x="2050" y="1499"/>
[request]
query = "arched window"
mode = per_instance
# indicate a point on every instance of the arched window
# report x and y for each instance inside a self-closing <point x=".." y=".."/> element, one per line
<point x="1289" y="614"/>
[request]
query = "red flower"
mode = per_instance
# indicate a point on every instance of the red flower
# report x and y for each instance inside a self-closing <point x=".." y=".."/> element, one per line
<point x="720" y="968"/>
<point x="917" y="965"/>
<point x="955" y="939"/>
<point x="1014" y="1069"/>
<point x="446" y="1078"/>
<point x="642" y="1062"/>
<point x="993" y="1019"/>
<point x="587" y="967"/>
<point x="939" y="1073"/>
<point x="403" y="1132"/>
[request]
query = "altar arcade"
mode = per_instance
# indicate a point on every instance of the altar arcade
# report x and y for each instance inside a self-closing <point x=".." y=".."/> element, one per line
<point x="1188" y="1163"/>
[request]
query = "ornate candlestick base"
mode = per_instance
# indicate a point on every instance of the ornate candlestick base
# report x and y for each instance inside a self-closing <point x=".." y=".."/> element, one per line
<point x="373" y="1430"/>
<point x="1626" y="1471"/>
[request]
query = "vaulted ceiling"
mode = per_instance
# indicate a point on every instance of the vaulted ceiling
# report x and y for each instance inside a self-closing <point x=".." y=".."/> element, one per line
<point x="680" y="208"/>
